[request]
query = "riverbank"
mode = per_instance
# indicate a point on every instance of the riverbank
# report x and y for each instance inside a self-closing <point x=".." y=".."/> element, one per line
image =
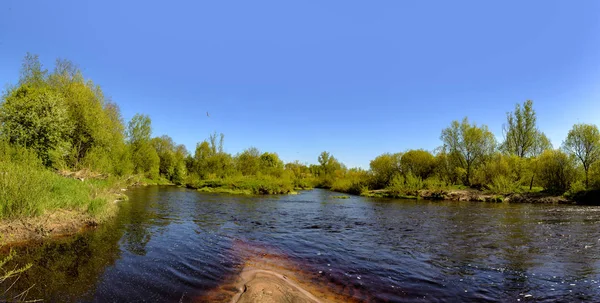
<point x="58" y="204"/>
<point x="472" y="195"/>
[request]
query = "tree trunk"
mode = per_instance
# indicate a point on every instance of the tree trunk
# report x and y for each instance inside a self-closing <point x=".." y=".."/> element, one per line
<point x="531" y="183"/>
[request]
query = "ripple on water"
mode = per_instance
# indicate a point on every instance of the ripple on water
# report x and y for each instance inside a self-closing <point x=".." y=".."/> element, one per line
<point x="170" y="244"/>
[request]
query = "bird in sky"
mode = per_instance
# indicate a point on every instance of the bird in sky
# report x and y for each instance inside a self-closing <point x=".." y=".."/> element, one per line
<point x="207" y="114"/>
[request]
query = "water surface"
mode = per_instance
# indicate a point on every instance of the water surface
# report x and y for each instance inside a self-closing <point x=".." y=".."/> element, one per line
<point x="170" y="244"/>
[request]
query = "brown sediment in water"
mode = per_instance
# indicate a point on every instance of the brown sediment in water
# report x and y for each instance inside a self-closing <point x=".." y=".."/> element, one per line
<point x="265" y="275"/>
<point x="267" y="286"/>
<point x="58" y="223"/>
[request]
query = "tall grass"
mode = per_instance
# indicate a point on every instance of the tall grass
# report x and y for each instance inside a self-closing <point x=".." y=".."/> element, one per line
<point x="27" y="189"/>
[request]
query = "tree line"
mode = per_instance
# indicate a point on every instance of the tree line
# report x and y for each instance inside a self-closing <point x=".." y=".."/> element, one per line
<point x="71" y="125"/>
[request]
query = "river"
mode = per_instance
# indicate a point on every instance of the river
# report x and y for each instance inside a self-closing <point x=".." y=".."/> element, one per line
<point x="170" y="244"/>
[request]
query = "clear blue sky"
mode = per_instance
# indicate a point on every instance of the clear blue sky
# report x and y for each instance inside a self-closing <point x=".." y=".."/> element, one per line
<point x="356" y="78"/>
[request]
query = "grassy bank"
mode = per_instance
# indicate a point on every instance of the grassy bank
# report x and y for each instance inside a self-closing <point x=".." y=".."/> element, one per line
<point x="29" y="191"/>
<point x="36" y="201"/>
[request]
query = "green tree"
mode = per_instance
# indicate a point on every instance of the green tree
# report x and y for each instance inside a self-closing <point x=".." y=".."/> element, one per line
<point x="541" y="144"/>
<point x="271" y="164"/>
<point x="144" y="157"/>
<point x="468" y="144"/>
<point x="146" y="161"/>
<point x="180" y="169"/>
<point x="520" y="131"/>
<point x="419" y="162"/>
<point x="32" y="71"/>
<point x="556" y="170"/>
<point x="248" y="161"/>
<point x="36" y="117"/>
<point x="165" y="149"/>
<point x="384" y="168"/>
<point x="583" y="141"/>
<point x="446" y="167"/>
<point x="139" y="129"/>
<point x="329" y="164"/>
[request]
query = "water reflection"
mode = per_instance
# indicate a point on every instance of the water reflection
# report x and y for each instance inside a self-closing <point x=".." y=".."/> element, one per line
<point x="170" y="244"/>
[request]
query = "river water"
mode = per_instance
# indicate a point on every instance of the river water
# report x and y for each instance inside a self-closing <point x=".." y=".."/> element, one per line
<point x="170" y="244"/>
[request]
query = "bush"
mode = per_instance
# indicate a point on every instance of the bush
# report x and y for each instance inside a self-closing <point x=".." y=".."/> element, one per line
<point x="433" y="183"/>
<point x="576" y="187"/>
<point x="504" y="185"/>
<point x="557" y="171"/>
<point x="409" y="185"/>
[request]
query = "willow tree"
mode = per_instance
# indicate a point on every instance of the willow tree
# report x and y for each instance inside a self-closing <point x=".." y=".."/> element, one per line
<point x="469" y="144"/>
<point x="520" y="131"/>
<point x="583" y="141"/>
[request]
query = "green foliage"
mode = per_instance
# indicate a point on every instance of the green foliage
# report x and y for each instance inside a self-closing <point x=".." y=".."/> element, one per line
<point x="520" y="132"/>
<point x="328" y="170"/>
<point x="446" y="167"/>
<point x="270" y="164"/>
<point x="257" y="185"/>
<point x="557" y="171"/>
<point x="419" y="162"/>
<point x="384" y="168"/>
<point x="406" y="185"/>
<point x="28" y="189"/>
<point x="144" y="157"/>
<point x="502" y="184"/>
<point x="468" y="145"/>
<point x="171" y="159"/>
<point x="36" y="117"/>
<point x="435" y="184"/>
<point x="583" y="141"/>
<point x="248" y="161"/>
<point x="575" y="188"/>
<point x="500" y="170"/>
<point x="300" y="174"/>
<point x="352" y="182"/>
<point x="146" y="161"/>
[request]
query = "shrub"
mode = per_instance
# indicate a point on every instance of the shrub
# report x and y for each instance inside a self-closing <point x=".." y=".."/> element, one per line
<point x="504" y="185"/>
<point x="557" y="171"/>
<point x="409" y="185"/>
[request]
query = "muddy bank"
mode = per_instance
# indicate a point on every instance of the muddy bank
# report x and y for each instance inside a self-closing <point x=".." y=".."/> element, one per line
<point x="476" y="196"/>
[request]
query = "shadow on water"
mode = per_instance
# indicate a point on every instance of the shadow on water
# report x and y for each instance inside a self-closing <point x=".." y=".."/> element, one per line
<point x="169" y="244"/>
